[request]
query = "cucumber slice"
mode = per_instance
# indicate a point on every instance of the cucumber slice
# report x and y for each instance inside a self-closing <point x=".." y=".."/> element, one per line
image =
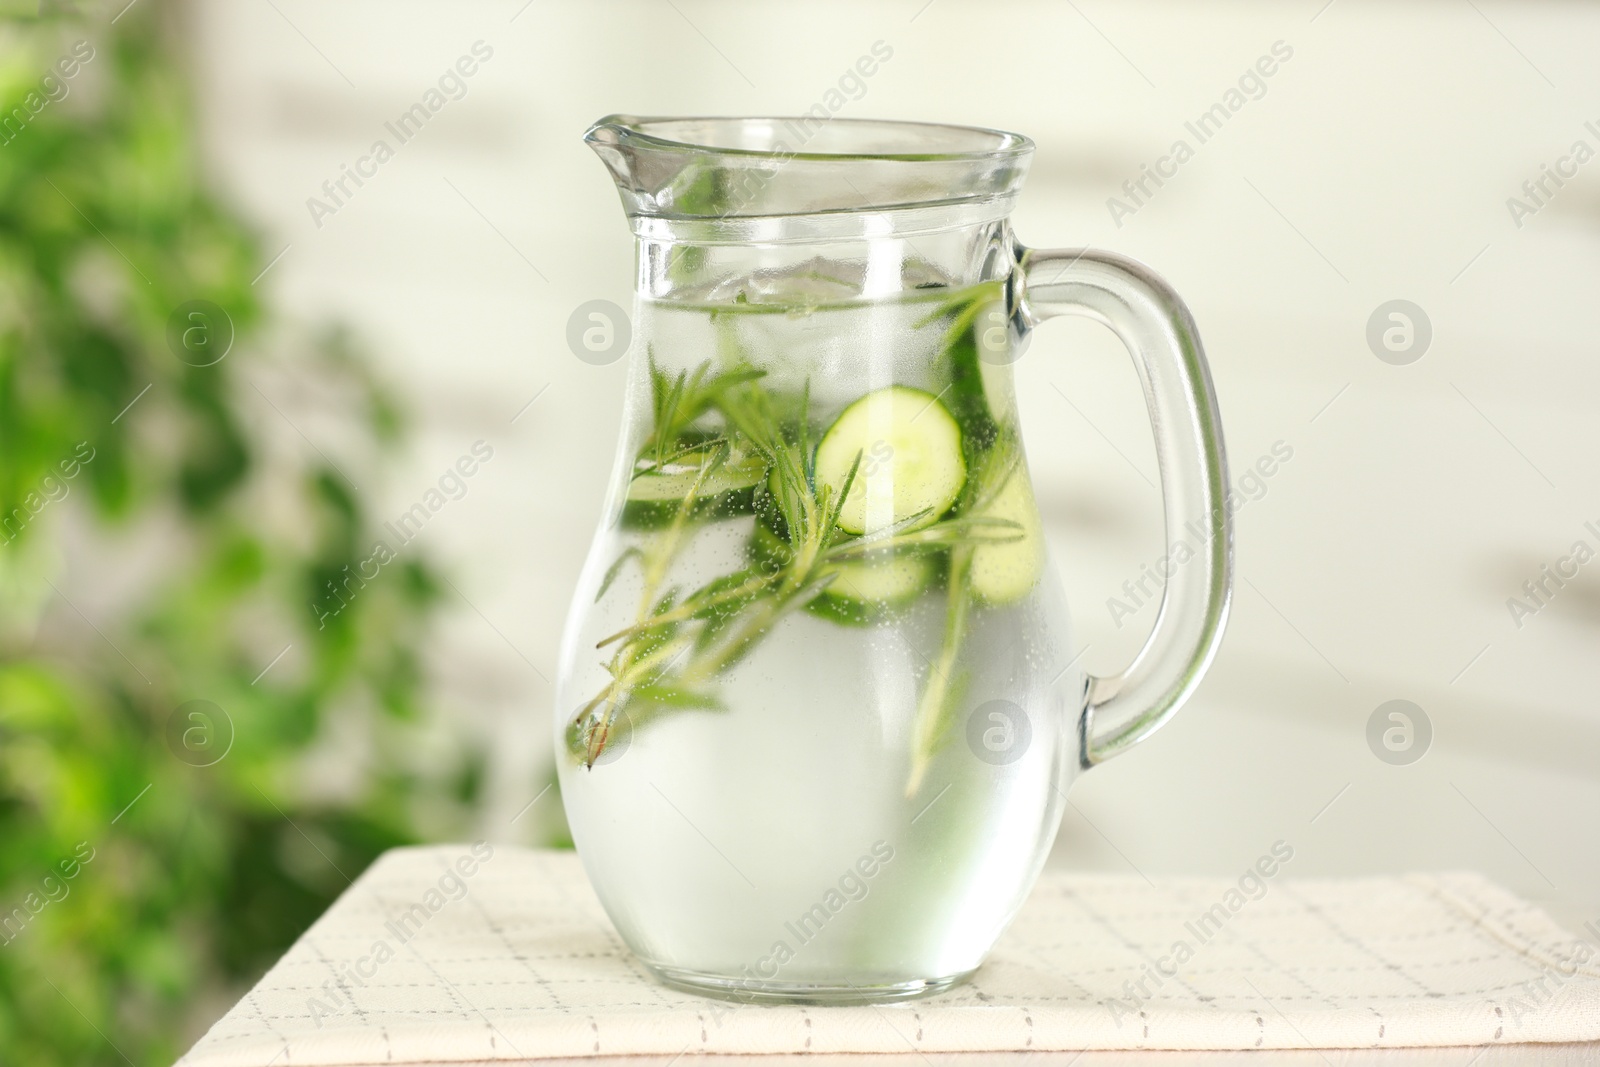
<point x="968" y="396"/>
<point x="643" y="515"/>
<point x="864" y="590"/>
<point x="768" y="548"/>
<point x="981" y="395"/>
<point x="875" y="587"/>
<point x="910" y="459"/>
<point x="1008" y="570"/>
<point x="656" y="493"/>
<point x="890" y="581"/>
<point x="673" y="480"/>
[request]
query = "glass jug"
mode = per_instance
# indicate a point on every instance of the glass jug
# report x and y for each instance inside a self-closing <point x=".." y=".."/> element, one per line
<point x="818" y="704"/>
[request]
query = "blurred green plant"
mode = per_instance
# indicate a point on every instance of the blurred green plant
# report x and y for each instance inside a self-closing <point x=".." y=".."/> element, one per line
<point x="196" y="529"/>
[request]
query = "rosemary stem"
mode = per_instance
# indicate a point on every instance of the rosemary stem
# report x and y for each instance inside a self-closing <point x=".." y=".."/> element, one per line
<point x="688" y="609"/>
<point x="934" y="708"/>
<point x="657" y="562"/>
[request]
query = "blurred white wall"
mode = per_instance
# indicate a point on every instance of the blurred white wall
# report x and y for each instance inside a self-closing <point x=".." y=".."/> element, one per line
<point x="1375" y="166"/>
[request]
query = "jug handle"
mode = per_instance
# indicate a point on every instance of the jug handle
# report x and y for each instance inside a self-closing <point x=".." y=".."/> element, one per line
<point x="1120" y="710"/>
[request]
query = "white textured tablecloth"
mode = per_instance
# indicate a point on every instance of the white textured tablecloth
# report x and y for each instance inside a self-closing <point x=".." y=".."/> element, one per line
<point x="524" y="964"/>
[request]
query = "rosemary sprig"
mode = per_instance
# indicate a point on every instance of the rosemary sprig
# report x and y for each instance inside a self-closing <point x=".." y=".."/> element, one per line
<point x="677" y="402"/>
<point x="640" y="661"/>
<point x="949" y="533"/>
<point x="695" y="606"/>
<point x="726" y="428"/>
<point x="946" y="684"/>
<point x="733" y="612"/>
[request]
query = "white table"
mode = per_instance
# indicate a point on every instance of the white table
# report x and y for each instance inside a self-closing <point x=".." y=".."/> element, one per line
<point x="1495" y="1056"/>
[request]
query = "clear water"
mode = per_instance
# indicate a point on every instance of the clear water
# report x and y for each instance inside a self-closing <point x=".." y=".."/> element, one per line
<point x="774" y="845"/>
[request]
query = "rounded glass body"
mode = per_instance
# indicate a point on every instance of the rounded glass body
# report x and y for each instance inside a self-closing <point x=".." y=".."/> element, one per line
<point x="817" y="711"/>
<point x="869" y="787"/>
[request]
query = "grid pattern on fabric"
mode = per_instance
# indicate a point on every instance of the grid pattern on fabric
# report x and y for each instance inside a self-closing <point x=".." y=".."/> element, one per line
<point x="460" y="954"/>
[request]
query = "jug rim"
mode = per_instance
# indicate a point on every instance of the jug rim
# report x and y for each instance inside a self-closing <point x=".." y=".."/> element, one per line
<point x="1001" y="144"/>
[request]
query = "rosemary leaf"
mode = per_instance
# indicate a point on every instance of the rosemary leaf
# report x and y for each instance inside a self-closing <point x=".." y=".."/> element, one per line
<point x="614" y="570"/>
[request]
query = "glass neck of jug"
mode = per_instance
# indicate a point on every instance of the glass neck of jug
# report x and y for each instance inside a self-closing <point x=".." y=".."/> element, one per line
<point x="803" y="211"/>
